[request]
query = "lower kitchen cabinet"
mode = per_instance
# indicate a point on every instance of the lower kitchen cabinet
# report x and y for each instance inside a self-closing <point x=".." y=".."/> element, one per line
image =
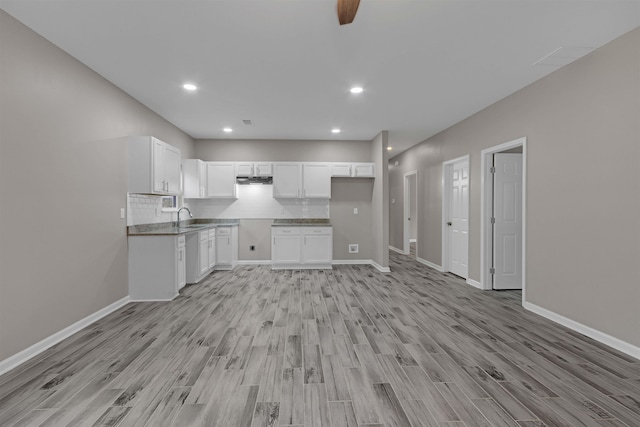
<point x="226" y="247"/>
<point x="201" y="254"/>
<point x="156" y="267"/>
<point x="301" y="247"/>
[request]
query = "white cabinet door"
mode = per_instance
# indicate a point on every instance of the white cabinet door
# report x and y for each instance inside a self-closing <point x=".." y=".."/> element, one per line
<point x="286" y="249"/>
<point x="244" y="169"/>
<point x="223" y="250"/>
<point x="203" y="253"/>
<point x="341" y="169"/>
<point x="182" y="271"/>
<point x="317" y="245"/>
<point x="363" y="170"/>
<point x="287" y="180"/>
<point x="212" y="248"/>
<point x="221" y="179"/>
<point x="263" y="169"/>
<point x="158" y="166"/>
<point x="194" y="175"/>
<point x="171" y="165"/>
<point x="316" y="179"/>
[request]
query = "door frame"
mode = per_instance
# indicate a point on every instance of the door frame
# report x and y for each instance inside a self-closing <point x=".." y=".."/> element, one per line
<point x="486" y="206"/>
<point x="406" y="225"/>
<point x="447" y="167"/>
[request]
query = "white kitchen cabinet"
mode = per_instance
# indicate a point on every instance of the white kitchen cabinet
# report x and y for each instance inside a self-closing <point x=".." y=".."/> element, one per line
<point x="226" y="247"/>
<point x="154" y="166"/>
<point x="287" y="180"/>
<point x="301" y="247"/>
<point x="182" y="266"/>
<point x="221" y="179"/>
<point x="353" y="170"/>
<point x="156" y="267"/>
<point x="212" y="248"/>
<point x="363" y="170"/>
<point x="302" y="180"/>
<point x="316" y="181"/>
<point x="254" y="169"/>
<point x="194" y="179"/>
<point x="198" y="252"/>
<point x="286" y="247"/>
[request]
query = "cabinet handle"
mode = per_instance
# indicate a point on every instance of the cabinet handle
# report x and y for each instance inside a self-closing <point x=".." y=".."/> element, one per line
<point x="305" y="240"/>
<point x="180" y="256"/>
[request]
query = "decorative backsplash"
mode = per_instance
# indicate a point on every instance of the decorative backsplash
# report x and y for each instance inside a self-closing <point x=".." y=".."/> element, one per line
<point x="146" y="209"/>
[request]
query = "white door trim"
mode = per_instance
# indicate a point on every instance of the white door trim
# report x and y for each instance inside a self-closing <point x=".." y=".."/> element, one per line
<point x="486" y="207"/>
<point x="406" y="225"/>
<point x="446" y="201"/>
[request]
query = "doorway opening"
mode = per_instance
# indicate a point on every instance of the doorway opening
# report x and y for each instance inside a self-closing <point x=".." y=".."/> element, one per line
<point x="503" y="221"/>
<point x="410" y="222"/>
<point x="455" y="215"/>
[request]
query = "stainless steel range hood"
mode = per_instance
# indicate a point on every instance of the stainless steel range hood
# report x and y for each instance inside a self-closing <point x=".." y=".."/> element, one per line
<point x="256" y="180"/>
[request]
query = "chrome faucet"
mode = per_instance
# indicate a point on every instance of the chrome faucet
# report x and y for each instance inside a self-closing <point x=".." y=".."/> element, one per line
<point x="180" y="210"/>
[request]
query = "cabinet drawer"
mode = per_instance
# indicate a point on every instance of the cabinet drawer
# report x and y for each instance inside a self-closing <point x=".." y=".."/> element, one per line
<point x="285" y="231"/>
<point x="181" y="241"/>
<point x="212" y="233"/>
<point x="223" y="231"/>
<point x="203" y="235"/>
<point x="323" y="231"/>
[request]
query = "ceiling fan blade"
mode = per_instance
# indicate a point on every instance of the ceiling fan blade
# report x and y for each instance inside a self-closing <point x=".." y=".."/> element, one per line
<point x="347" y="11"/>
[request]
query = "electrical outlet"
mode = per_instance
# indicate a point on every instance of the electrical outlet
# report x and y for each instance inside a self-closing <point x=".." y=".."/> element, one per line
<point x="355" y="211"/>
<point x="252" y="248"/>
<point x="353" y="248"/>
<point x="121" y="213"/>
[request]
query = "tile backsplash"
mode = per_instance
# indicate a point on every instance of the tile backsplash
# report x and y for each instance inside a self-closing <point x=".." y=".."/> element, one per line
<point x="146" y="209"/>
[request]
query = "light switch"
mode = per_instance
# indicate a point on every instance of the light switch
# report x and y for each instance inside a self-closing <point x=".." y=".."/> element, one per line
<point x="121" y="213"/>
<point x="393" y="201"/>
<point x="355" y="211"/>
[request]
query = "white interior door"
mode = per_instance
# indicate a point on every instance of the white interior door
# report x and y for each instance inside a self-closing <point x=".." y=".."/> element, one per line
<point x="507" y="227"/>
<point x="410" y="211"/>
<point x="459" y="219"/>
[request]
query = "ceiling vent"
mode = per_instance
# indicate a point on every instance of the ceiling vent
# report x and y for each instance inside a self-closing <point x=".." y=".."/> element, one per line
<point x="247" y="122"/>
<point x="564" y="55"/>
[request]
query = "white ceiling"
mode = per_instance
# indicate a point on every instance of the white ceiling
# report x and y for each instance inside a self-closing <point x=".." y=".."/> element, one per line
<point x="287" y="65"/>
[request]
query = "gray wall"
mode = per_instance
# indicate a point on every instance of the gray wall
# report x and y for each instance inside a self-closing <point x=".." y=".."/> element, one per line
<point x="282" y="150"/>
<point x="63" y="247"/>
<point x="583" y="193"/>
<point x="346" y="193"/>
<point x="380" y="200"/>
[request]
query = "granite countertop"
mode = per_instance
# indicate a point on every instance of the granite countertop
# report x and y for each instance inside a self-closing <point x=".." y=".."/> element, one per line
<point x="170" y="229"/>
<point x="301" y="222"/>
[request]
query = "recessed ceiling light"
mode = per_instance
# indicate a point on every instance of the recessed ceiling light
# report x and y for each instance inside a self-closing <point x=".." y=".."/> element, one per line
<point x="356" y="89"/>
<point x="227" y="130"/>
<point x="335" y="130"/>
<point x="389" y="148"/>
<point x="189" y="86"/>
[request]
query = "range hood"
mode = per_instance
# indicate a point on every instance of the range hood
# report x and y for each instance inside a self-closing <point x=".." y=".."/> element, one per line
<point x="248" y="180"/>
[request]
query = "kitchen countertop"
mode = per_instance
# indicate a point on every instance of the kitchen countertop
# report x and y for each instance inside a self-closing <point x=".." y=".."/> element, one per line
<point x="169" y="228"/>
<point x="301" y="222"/>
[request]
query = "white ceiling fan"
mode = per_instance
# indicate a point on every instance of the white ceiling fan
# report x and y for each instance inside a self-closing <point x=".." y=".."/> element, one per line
<point x="347" y="11"/>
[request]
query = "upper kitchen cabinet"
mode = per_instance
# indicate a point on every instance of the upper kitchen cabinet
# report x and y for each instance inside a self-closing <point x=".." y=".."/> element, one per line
<point x="302" y="180"/>
<point x="221" y="179"/>
<point x="287" y="180"/>
<point x="254" y="169"/>
<point x="353" y="170"/>
<point x="194" y="179"/>
<point x="154" y="166"/>
<point x="316" y="180"/>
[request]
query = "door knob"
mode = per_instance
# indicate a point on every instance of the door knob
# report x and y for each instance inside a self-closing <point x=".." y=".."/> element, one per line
<point x="449" y="223"/>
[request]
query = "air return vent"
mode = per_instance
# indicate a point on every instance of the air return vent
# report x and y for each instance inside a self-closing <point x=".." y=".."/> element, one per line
<point x="247" y="122"/>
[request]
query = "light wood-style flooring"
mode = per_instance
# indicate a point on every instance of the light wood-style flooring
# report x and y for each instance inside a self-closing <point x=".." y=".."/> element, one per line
<point x="347" y="347"/>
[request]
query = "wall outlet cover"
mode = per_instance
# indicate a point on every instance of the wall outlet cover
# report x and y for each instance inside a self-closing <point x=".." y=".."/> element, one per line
<point x="353" y="248"/>
<point x="252" y="248"/>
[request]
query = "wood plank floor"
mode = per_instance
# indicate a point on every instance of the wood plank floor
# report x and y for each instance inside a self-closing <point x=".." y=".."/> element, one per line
<point x="347" y="347"/>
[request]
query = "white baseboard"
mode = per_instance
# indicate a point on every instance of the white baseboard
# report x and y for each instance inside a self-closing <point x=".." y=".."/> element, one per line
<point x="254" y="262"/>
<point x="475" y="284"/>
<point x="430" y="264"/>
<point x="351" y="261"/>
<point x="597" y="335"/>
<point x="26" y="354"/>
<point x="380" y="268"/>
<point x="400" y="251"/>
